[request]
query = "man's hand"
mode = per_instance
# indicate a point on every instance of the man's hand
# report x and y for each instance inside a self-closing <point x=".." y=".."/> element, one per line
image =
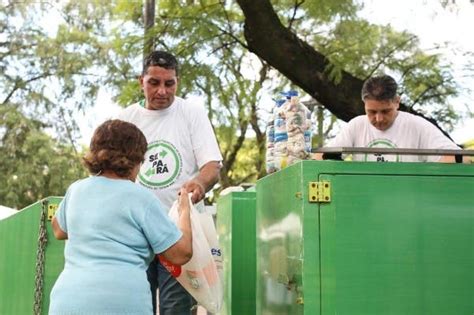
<point x="197" y="189"/>
<point x="207" y="177"/>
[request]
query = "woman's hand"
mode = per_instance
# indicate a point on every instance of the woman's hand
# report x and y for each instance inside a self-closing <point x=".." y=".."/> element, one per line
<point x="183" y="201"/>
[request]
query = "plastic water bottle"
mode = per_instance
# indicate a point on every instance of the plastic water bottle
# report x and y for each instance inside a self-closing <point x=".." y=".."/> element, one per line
<point x="308" y="133"/>
<point x="281" y="136"/>
<point x="270" y="146"/>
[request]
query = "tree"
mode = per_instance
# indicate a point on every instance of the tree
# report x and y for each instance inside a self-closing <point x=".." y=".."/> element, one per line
<point x="37" y="94"/>
<point x="33" y="165"/>
<point x="52" y="77"/>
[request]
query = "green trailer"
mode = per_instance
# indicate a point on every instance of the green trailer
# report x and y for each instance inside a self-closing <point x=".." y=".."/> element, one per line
<point x="339" y="237"/>
<point x="31" y="259"/>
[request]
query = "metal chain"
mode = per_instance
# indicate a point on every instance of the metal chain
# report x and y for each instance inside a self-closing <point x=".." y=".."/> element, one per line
<point x="39" y="275"/>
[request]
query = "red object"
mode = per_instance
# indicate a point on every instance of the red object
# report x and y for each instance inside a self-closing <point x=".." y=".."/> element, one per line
<point x="175" y="270"/>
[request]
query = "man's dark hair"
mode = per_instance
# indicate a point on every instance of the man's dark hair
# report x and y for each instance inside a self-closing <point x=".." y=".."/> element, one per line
<point x="161" y="59"/>
<point x="379" y="88"/>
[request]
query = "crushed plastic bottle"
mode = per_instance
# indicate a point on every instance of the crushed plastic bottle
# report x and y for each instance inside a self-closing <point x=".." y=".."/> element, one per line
<point x="280" y="152"/>
<point x="270" y="145"/>
<point x="308" y="133"/>
<point x="296" y="125"/>
<point x="288" y="133"/>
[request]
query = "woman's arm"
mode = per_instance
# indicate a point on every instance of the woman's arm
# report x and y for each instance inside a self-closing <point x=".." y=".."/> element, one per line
<point x="58" y="232"/>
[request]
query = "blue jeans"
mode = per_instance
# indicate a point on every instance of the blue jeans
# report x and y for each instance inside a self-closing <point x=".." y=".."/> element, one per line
<point x="174" y="299"/>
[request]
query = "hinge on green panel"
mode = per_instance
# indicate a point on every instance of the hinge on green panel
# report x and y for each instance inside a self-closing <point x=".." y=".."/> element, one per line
<point x="319" y="191"/>
<point x="52" y="210"/>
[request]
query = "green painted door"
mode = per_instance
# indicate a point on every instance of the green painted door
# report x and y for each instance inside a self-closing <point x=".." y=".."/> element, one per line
<point x="397" y="245"/>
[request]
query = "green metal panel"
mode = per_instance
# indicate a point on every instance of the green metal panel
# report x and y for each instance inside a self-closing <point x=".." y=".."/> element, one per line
<point x="406" y="251"/>
<point x="280" y="219"/>
<point x="18" y="250"/>
<point x="396" y="238"/>
<point x="236" y="228"/>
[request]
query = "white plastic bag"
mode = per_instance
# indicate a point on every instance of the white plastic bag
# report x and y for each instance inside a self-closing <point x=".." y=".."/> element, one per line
<point x="199" y="276"/>
<point x="209" y="229"/>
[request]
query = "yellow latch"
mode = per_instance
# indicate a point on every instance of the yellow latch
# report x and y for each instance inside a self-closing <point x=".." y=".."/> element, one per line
<point x="51" y="211"/>
<point x="319" y="191"/>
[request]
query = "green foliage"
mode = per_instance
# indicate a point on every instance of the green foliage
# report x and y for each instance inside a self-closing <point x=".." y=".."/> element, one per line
<point x="47" y="74"/>
<point x="34" y="165"/>
<point x="315" y="12"/>
<point x="244" y="169"/>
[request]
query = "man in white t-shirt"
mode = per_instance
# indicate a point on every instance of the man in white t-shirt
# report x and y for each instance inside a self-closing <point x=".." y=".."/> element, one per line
<point x="182" y="152"/>
<point x="384" y="126"/>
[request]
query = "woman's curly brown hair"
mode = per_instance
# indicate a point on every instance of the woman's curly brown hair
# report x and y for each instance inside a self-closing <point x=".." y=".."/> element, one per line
<point x="116" y="146"/>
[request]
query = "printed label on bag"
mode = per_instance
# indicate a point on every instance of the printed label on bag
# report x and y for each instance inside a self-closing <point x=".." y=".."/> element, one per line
<point x="215" y="252"/>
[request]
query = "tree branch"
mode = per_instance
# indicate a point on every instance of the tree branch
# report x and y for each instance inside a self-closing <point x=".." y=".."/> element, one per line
<point x="20" y="84"/>
<point x="390" y="53"/>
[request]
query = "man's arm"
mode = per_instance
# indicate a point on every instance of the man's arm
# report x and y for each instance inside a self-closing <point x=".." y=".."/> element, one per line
<point x="207" y="177"/>
<point x="447" y="159"/>
<point x="316" y="156"/>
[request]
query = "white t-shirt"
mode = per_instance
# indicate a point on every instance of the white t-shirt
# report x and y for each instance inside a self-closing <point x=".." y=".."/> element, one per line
<point x="408" y="131"/>
<point x="180" y="141"/>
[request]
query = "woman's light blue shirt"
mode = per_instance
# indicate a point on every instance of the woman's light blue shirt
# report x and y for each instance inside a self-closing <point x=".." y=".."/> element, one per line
<point x="114" y="228"/>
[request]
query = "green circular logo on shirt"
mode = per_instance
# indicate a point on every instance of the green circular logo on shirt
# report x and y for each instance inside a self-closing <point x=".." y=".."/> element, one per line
<point x="382" y="143"/>
<point x="162" y="165"/>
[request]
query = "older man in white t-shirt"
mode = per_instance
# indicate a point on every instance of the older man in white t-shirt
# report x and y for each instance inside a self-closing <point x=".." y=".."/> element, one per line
<point x="182" y="152"/>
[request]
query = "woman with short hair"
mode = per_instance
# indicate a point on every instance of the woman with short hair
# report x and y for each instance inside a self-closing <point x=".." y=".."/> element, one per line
<point x="114" y="228"/>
